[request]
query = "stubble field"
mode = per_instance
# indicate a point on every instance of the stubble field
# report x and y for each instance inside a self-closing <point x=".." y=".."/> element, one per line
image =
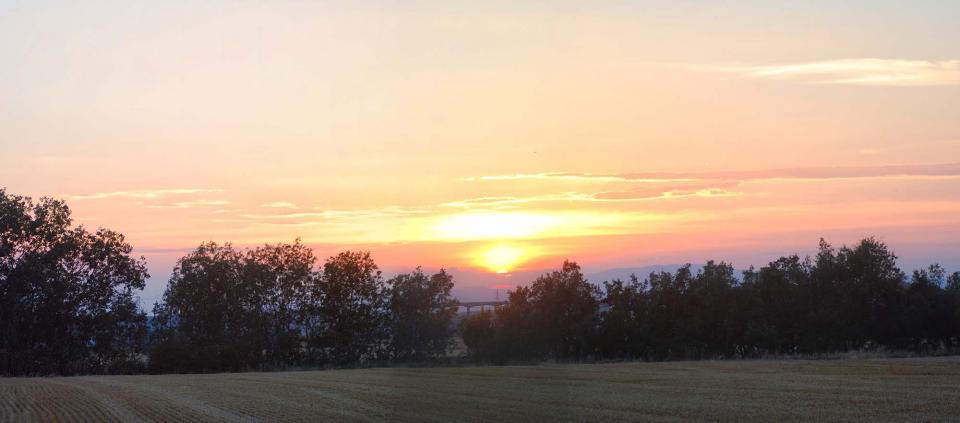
<point x="854" y="389"/>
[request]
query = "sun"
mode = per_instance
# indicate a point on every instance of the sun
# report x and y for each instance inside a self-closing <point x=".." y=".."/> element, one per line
<point x="502" y="258"/>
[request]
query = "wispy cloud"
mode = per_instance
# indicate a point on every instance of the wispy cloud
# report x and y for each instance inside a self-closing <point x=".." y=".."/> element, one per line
<point x="804" y="173"/>
<point x="187" y="204"/>
<point x="145" y="193"/>
<point x="570" y="176"/>
<point x="866" y="71"/>
<point x="316" y="215"/>
<point x="675" y="193"/>
<point x="507" y="202"/>
<point x="297" y="215"/>
<point x="279" y="205"/>
<point x="837" y="172"/>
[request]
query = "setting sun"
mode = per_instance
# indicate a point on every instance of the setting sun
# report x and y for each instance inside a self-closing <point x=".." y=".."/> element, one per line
<point x="502" y="258"/>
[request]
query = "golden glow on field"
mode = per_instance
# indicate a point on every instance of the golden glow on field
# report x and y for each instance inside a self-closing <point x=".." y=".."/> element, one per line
<point x="502" y="258"/>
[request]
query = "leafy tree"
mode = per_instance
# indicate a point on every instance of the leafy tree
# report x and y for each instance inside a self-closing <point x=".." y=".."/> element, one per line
<point x="349" y="310"/>
<point x="712" y="327"/>
<point x="771" y="306"/>
<point x="928" y="317"/>
<point x="421" y="311"/>
<point x="67" y="300"/>
<point x="863" y="287"/>
<point x="953" y="282"/>
<point x="281" y="276"/>
<point x="669" y="308"/>
<point x="624" y="330"/>
<point x="516" y="330"/>
<point x="206" y="319"/>
<point x="479" y="332"/>
<point x="953" y="296"/>
<point x="555" y="317"/>
<point x="229" y="310"/>
<point x="565" y="308"/>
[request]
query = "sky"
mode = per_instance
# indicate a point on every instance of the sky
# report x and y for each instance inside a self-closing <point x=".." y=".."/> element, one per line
<point x="494" y="138"/>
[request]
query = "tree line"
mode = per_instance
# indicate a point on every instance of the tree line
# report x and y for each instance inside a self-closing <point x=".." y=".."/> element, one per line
<point x="68" y="305"/>
<point x="268" y="308"/>
<point x="843" y="299"/>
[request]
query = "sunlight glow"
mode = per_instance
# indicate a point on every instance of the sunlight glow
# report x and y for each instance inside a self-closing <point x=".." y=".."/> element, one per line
<point x="496" y="226"/>
<point x="502" y="258"/>
<point x="473" y="226"/>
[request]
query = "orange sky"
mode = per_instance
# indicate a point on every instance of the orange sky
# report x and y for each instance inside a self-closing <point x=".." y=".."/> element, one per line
<point x="491" y="137"/>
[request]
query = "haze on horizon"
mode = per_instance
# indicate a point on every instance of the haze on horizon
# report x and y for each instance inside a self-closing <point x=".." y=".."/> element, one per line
<point x="491" y="137"/>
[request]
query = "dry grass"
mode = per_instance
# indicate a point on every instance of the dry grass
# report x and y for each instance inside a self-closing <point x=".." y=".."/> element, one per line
<point x="765" y="390"/>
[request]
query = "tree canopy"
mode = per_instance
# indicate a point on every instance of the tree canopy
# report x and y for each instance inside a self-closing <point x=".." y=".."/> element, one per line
<point x="67" y="300"/>
<point x="847" y="298"/>
<point x="421" y="312"/>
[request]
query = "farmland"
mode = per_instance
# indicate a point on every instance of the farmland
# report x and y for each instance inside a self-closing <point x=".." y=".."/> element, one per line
<point x="762" y="390"/>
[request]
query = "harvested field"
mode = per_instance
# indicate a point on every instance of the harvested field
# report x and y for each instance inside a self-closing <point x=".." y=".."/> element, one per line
<point x="857" y="389"/>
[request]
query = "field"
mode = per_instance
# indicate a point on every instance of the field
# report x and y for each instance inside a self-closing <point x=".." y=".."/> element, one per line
<point x="765" y="390"/>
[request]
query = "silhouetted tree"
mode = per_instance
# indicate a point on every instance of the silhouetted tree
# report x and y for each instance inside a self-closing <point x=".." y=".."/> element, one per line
<point x="206" y="320"/>
<point x="349" y="311"/>
<point x="516" y="329"/>
<point x="555" y="317"/>
<point x="66" y="294"/>
<point x="771" y="306"/>
<point x="928" y="317"/>
<point x="624" y="331"/>
<point x="281" y="276"/>
<point x="953" y="296"/>
<point x="712" y="327"/>
<point x="479" y="333"/>
<point x="230" y="310"/>
<point x="421" y="312"/>
<point x="670" y="326"/>
<point x="863" y="287"/>
<point x="847" y="298"/>
<point x="565" y="312"/>
<point x="953" y="282"/>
